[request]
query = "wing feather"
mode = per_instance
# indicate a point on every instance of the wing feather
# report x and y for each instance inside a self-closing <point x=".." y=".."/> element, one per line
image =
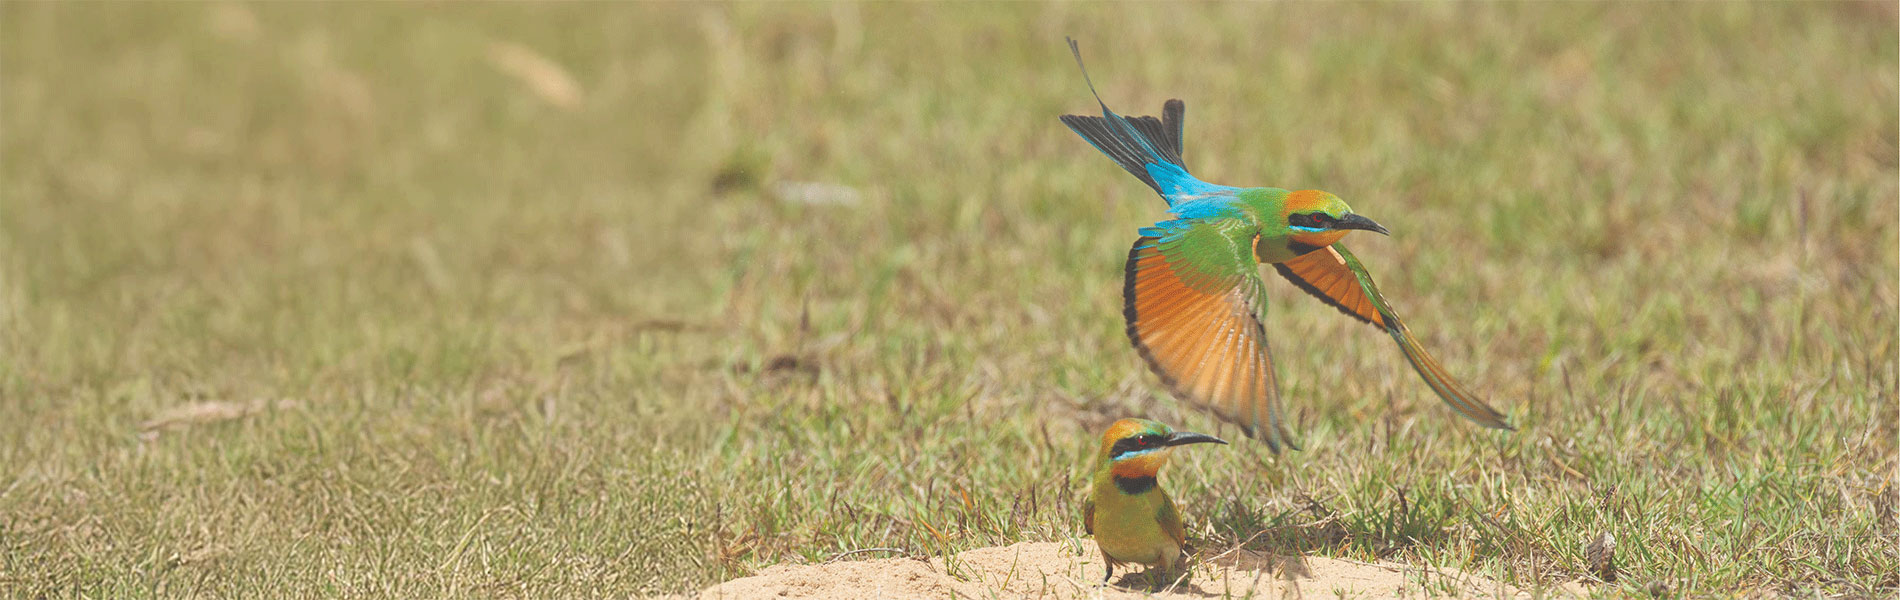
<point x="1170" y="520"/>
<point x="1088" y="516"/>
<point x="1193" y="301"/>
<point x="1335" y="276"/>
<point x="1323" y="274"/>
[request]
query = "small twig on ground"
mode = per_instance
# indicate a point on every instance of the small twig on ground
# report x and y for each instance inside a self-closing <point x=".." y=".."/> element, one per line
<point x="835" y="557"/>
<point x="1367" y="564"/>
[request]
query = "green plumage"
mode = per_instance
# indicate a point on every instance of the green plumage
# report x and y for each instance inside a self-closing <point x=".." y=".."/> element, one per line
<point x="1132" y="519"/>
<point x="1193" y="297"/>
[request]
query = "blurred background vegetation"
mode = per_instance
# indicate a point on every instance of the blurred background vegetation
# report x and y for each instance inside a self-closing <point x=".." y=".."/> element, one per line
<point x="390" y="300"/>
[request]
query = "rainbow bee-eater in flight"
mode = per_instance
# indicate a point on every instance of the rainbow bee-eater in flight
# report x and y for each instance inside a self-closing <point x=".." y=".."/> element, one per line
<point x="1193" y="296"/>
<point x="1133" y="521"/>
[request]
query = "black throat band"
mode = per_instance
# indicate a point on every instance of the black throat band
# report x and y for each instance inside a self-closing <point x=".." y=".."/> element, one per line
<point x="1135" y="485"/>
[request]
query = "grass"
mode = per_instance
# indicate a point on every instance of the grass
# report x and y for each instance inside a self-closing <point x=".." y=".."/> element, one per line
<point x="499" y="300"/>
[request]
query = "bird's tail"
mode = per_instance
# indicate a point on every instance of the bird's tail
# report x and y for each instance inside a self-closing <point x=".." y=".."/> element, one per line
<point x="1147" y="147"/>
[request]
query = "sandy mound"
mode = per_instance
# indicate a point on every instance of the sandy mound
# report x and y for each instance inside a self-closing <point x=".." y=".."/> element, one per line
<point x="1074" y="570"/>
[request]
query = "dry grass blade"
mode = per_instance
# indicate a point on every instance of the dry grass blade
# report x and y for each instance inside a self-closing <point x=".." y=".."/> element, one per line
<point x="185" y="416"/>
<point x="540" y="74"/>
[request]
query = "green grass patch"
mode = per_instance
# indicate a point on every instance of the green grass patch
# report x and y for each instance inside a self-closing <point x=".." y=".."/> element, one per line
<point x="498" y="300"/>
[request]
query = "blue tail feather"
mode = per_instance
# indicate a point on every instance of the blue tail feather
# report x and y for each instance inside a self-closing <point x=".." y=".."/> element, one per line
<point x="1146" y="147"/>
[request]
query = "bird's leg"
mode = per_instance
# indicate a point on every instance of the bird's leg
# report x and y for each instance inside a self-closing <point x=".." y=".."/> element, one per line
<point x="1111" y="571"/>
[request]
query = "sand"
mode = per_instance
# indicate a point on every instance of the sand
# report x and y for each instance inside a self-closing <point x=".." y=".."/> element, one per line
<point x="1060" y="570"/>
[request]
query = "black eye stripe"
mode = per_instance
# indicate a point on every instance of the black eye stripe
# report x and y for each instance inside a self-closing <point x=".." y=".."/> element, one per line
<point x="1315" y="220"/>
<point x="1135" y="444"/>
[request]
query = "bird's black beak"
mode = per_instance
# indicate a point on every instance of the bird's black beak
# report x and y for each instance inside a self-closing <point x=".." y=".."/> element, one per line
<point x="1352" y="221"/>
<point x="1183" y="438"/>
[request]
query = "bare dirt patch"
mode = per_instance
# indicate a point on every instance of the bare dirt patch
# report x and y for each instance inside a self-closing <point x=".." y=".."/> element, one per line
<point x="1074" y="570"/>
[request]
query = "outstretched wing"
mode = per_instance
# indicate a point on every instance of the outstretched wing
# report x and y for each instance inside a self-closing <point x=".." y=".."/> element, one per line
<point x="1322" y="273"/>
<point x="1193" y="300"/>
<point x="1335" y="276"/>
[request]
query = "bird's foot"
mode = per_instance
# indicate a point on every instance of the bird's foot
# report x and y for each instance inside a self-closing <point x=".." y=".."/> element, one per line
<point x="1158" y="578"/>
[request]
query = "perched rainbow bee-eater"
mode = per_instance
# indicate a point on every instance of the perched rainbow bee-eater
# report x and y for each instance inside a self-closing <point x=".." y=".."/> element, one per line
<point x="1133" y="521"/>
<point x="1193" y="296"/>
